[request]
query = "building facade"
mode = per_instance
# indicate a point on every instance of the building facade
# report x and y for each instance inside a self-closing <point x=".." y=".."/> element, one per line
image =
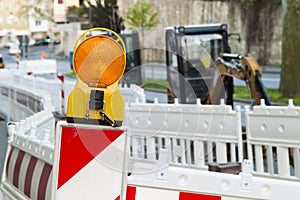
<point x="11" y="22"/>
<point x="34" y="19"/>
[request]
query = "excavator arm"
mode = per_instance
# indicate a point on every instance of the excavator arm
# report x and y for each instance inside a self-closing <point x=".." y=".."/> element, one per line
<point x="241" y="67"/>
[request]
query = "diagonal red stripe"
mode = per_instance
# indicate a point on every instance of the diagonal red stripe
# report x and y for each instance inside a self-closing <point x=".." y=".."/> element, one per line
<point x="130" y="193"/>
<point x="192" y="196"/>
<point x="79" y="146"/>
<point x="29" y="175"/>
<point x="17" y="168"/>
<point x="8" y="160"/>
<point x="44" y="181"/>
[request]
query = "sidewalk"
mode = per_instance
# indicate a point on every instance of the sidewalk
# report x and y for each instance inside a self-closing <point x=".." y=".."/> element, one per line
<point x="270" y="69"/>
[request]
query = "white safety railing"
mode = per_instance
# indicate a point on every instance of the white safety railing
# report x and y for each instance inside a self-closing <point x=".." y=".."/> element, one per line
<point x="184" y="134"/>
<point x="183" y="183"/>
<point x="171" y="145"/>
<point x="35" y="126"/>
<point x="19" y="102"/>
<point x="33" y="157"/>
<point x="42" y="66"/>
<point x="53" y="87"/>
<point x="31" y="139"/>
<point x="274" y="141"/>
<point x="131" y="93"/>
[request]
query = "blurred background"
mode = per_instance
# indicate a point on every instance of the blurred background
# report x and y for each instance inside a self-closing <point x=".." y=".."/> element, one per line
<point x="268" y="29"/>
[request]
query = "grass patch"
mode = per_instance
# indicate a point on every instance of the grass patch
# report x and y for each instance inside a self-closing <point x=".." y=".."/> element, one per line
<point x="159" y="84"/>
<point x="240" y="91"/>
<point x="243" y="93"/>
<point x="71" y="74"/>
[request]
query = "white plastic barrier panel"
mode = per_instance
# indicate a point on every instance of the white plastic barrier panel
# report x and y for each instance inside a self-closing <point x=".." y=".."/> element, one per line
<point x="189" y="135"/>
<point x="144" y="193"/>
<point x="89" y="162"/>
<point x="28" y="167"/>
<point x="274" y="141"/>
<point x="131" y="93"/>
<point x="43" y="66"/>
<point x="20" y="102"/>
<point x="190" y="184"/>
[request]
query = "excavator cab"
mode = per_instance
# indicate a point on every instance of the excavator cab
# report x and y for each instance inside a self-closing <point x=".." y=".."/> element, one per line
<point x="191" y="55"/>
<point x="201" y="66"/>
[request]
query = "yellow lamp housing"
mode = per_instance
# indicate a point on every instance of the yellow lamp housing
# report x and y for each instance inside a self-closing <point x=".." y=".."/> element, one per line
<point x="99" y="61"/>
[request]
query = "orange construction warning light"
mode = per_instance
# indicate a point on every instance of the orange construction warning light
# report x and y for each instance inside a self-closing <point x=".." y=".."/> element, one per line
<point x="43" y="54"/>
<point x="99" y="61"/>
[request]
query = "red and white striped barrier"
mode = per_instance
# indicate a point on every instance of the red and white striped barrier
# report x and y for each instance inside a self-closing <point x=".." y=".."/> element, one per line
<point x="18" y="60"/>
<point x="200" y="184"/>
<point x="30" y="175"/>
<point x="28" y="167"/>
<point x="143" y="193"/>
<point x="89" y="162"/>
<point x="62" y="92"/>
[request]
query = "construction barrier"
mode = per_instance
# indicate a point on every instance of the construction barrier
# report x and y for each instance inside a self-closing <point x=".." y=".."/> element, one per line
<point x="132" y="93"/>
<point x="42" y="66"/>
<point x="273" y="140"/>
<point x="39" y="84"/>
<point x="143" y="193"/>
<point x="89" y="162"/>
<point x="28" y="168"/>
<point x="188" y="183"/>
<point x="57" y="90"/>
<point x="190" y="135"/>
<point x="171" y="146"/>
<point x="19" y="101"/>
<point x="169" y="149"/>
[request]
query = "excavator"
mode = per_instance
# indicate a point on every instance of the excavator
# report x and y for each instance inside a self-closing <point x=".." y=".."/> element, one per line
<point x="200" y="65"/>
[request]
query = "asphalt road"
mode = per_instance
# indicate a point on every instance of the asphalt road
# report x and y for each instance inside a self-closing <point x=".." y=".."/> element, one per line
<point x="158" y="71"/>
<point x="270" y="80"/>
<point x="152" y="70"/>
<point x="34" y="52"/>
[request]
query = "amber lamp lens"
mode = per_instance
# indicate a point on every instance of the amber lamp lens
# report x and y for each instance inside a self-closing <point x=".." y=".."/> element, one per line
<point x="99" y="61"/>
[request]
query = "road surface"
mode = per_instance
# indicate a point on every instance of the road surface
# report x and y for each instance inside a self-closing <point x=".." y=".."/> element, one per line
<point x="63" y="65"/>
<point x="158" y="71"/>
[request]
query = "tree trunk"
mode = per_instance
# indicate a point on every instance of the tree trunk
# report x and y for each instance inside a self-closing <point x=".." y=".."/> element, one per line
<point x="290" y="74"/>
<point x="259" y="17"/>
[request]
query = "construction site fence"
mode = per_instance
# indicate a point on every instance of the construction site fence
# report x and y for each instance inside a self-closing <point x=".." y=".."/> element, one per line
<point x="171" y="145"/>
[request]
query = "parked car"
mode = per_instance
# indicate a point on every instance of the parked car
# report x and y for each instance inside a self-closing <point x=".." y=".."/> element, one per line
<point x="56" y="42"/>
<point x="13" y="49"/>
<point x="31" y="42"/>
<point x="46" y="41"/>
<point x="2" y="65"/>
